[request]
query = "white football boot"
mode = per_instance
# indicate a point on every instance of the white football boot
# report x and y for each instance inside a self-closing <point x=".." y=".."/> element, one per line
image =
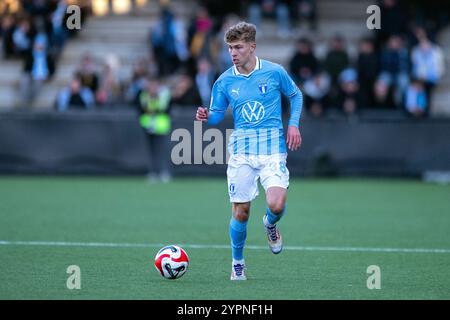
<point x="273" y="236"/>
<point x="238" y="270"/>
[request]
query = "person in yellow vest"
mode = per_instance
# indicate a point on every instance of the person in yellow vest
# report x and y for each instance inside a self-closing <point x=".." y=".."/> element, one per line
<point x="154" y="103"/>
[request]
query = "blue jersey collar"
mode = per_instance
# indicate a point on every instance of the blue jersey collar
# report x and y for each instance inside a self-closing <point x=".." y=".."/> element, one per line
<point x="258" y="66"/>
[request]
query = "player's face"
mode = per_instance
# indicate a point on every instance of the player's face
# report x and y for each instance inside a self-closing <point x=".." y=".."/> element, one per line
<point x="240" y="52"/>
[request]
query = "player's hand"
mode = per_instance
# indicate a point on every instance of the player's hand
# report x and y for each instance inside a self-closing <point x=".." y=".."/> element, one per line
<point x="202" y="114"/>
<point x="294" y="139"/>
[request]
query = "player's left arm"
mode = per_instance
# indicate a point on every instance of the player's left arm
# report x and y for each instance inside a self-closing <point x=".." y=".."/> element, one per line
<point x="290" y="89"/>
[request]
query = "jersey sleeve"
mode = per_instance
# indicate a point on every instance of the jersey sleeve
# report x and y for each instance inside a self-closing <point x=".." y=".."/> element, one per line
<point x="290" y="89"/>
<point x="219" y="103"/>
<point x="287" y="85"/>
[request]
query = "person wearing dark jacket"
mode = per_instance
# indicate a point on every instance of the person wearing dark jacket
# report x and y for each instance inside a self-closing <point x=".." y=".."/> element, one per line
<point x="303" y="65"/>
<point x="368" y="69"/>
<point x="39" y="67"/>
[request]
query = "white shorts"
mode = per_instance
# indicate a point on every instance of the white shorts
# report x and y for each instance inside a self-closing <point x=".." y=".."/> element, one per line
<point x="244" y="171"/>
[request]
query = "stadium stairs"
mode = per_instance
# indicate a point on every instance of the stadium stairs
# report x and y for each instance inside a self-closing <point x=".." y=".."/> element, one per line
<point x="10" y="73"/>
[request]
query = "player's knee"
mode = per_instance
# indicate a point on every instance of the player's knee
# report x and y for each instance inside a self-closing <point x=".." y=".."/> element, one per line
<point x="241" y="212"/>
<point x="276" y="206"/>
<point x="241" y="215"/>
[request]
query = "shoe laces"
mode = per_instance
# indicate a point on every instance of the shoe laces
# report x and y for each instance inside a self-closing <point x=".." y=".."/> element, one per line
<point x="273" y="234"/>
<point x="238" y="269"/>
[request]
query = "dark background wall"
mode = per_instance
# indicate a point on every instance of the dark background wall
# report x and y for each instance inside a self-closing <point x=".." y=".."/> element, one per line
<point x="111" y="142"/>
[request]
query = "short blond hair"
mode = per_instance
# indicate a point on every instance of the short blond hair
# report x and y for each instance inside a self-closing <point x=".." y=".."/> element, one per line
<point x="241" y="31"/>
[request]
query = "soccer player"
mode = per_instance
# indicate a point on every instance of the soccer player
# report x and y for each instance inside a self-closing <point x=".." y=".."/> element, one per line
<point x="253" y="88"/>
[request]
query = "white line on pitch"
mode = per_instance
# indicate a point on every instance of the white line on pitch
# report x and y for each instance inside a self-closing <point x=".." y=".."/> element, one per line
<point x="217" y="246"/>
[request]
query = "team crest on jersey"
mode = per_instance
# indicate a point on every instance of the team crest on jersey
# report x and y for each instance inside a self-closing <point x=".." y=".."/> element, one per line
<point x="232" y="189"/>
<point x="263" y="88"/>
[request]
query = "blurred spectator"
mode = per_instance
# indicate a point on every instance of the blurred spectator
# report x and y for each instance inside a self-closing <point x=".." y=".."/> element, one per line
<point x="416" y="99"/>
<point x="271" y="8"/>
<point x="204" y="80"/>
<point x="138" y="81"/>
<point x="39" y="67"/>
<point x="59" y="30"/>
<point x="306" y="10"/>
<point x="316" y="93"/>
<point x="75" y="96"/>
<point x="393" y="21"/>
<point x="336" y="61"/>
<point x="395" y="67"/>
<point x="427" y="63"/>
<point x="23" y="38"/>
<point x="108" y="91"/>
<point x="185" y="92"/>
<point x="7" y="30"/>
<point x="368" y="69"/>
<point x="383" y="93"/>
<point x="88" y="73"/>
<point x="349" y="98"/>
<point x="223" y="56"/>
<point x="200" y="35"/>
<point x="155" y="119"/>
<point x="37" y="7"/>
<point x="168" y="41"/>
<point x="303" y="64"/>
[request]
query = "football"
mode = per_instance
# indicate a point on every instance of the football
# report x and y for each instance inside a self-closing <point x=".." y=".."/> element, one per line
<point x="172" y="262"/>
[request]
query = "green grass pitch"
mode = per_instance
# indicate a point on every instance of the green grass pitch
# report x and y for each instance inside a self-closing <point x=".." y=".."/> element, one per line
<point x="50" y="223"/>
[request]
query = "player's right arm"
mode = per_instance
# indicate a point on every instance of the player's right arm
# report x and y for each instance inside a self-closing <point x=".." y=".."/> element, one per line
<point x="218" y="107"/>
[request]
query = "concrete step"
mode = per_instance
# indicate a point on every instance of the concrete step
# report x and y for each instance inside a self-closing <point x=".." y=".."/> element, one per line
<point x="74" y="51"/>
<point x="343" y="10"/>
<point x="182" y="9"/>
<point x="47" y="97"/>
<point x="10" y="72"/>
<point x="9" y="97"/>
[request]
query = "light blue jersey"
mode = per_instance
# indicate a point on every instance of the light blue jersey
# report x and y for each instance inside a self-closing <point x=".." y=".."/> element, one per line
<point x="255" y="101"/>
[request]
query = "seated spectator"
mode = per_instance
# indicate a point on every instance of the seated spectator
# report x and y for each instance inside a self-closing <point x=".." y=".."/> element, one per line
<point x="204" y="80"/>
<point x="303" y="64"/>
<point x="108" y="91"/>
<point x="427" y="63"/>
<point x="75" y="96"/>
<point x="336" y="61"/>
<point x="383" y="93"/>
<point x="278" y="9"/>
<point x="186" y="92"/>
<point x="88" y="73"/>
<point x="316" y="93"/>
<point x="416" y="100"/>
<point x="395" y="67"/>
<point x="138" y="82"/>
<point x="306" y="10"/>
<point x="368" y="69"/>
<point x="348" y="98"/>
<point x="39" y="67"/>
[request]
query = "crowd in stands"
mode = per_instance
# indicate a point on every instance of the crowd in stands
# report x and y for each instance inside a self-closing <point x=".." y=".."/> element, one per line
<point x="397" y="68"/>
<point x="36" y="34"/>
